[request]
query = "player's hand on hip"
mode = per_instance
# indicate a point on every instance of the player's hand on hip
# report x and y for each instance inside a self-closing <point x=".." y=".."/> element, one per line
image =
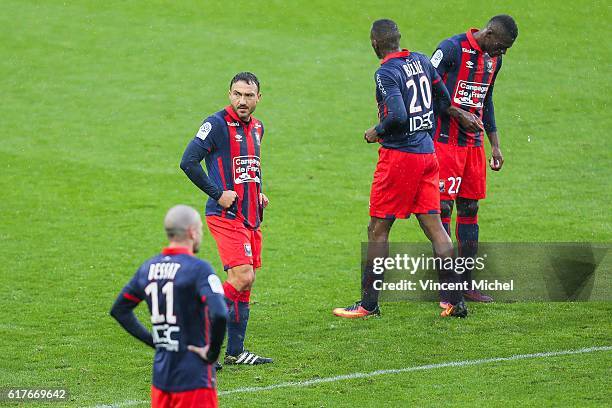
<point x="371" y="136"/>
<point x="200" y="351"/>
<point x="227" y="198"/>
<point x="263" y="200"/>
<point x="497" y="159"/>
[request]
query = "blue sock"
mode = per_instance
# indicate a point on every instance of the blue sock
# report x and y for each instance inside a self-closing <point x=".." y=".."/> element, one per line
<point x="467" y="239"/>
<point x="238" y="307"/>
<point x="369" y="295"/>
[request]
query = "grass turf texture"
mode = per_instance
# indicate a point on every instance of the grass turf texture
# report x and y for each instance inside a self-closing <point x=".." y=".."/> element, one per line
<point x="99" y="100"/>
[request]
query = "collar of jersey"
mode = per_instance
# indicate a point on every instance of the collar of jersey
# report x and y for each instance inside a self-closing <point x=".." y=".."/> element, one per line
<point x="234" y="115"/>
<point x="176" y="251"/>
<point x="400" y="54"/>
<point x="472" y="40"/>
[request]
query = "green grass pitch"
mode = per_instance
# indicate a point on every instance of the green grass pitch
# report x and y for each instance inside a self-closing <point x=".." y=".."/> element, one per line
<point x="99" y="100"/>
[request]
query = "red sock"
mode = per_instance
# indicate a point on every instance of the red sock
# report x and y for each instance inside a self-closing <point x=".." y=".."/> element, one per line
<point x="244" y="296"/>
<point x="230" y="292"/>
<point x="446" y="224"/>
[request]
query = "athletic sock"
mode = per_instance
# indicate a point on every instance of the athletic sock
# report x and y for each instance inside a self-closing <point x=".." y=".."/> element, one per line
<point x="446" y="274"/>
<point x="369" y="295"/>
<point x="467" y="239"/>
<point x="446" y="224"/>
<point x="238" y="307"/>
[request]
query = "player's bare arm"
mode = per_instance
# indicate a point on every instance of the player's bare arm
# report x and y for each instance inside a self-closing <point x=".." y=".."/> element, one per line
<point x="497" y="159"/>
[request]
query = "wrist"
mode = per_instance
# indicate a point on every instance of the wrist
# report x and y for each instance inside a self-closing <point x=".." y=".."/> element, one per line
<point x="216" y="195"/>
<point x="453" y="111"/>
<point x="379" y="130"/>
<point x="211" y="357"/>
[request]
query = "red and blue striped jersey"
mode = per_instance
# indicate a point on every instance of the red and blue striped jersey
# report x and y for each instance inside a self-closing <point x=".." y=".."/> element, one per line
<point x="233" y="163"/>
<point x="469" y="75"/>
<point x="181" y="292"/>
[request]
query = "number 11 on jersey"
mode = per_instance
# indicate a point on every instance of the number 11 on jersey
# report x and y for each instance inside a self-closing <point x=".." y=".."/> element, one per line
<point x="168" y="291"/>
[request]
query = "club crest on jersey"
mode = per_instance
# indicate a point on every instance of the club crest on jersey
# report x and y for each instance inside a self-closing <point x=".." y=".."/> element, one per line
<point x="247" y="250"/>
<point x="490" y="66"/>
<point x="442" y="187"/>
<point x="257" y="137"/>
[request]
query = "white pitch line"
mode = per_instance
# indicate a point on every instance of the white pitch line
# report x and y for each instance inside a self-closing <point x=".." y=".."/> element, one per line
<point x="385" y="372"/>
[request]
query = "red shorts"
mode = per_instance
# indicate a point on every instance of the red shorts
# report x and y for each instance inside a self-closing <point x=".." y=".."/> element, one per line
<point x="237" y="244"/>
<point x="462" y="171"/>
<point x="404" y="183"/>
<point x="198" y="398"/>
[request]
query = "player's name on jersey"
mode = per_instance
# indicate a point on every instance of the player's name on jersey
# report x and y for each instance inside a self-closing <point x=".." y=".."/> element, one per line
<point x="413" y="68"/>
<point x="163" y="270"/>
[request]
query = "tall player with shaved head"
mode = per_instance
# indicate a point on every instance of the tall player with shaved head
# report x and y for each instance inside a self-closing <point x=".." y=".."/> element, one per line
<point x="188" y="315"/>
<point x="469" y="64"/>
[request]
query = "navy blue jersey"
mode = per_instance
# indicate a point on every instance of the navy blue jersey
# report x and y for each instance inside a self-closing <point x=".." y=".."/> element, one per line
<point x="233" y="163"/>
<point x="469" y="75"/>
<point x="178" y="289"/>
<point x="411" y="77"/>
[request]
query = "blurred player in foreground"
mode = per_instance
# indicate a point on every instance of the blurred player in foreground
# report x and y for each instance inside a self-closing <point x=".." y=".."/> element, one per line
<point x="468" y="64"/>
<point x="229" y="141"/>
<point x="406" y="176"/>
<point x="188" y="314"/>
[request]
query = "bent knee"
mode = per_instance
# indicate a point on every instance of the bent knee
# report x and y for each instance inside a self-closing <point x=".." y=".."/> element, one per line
<point x="242" y="277"/>
<point x="467" y="208"/>
<point x="378" y="230"/>
<point x="446" y="208"/>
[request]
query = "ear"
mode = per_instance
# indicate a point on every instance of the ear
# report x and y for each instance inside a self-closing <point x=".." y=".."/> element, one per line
<point x="191" y="232"/>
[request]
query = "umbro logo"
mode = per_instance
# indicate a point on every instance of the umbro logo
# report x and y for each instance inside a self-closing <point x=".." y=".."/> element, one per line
<point x="238" y="137"/>
<point x="469" y="64"/>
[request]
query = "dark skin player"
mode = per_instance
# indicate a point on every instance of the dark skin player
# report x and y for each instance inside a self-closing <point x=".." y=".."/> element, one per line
<point x="431" y="224"/>
<point x="495" y="41"/>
